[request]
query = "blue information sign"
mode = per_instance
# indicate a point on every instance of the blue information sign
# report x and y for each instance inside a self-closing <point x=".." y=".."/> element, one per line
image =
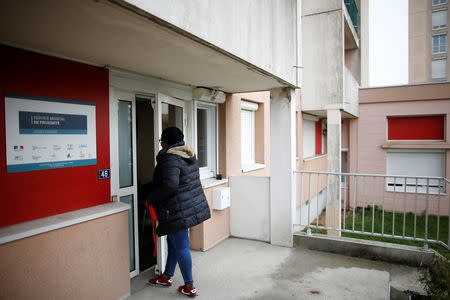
<point x="51" y="123"/>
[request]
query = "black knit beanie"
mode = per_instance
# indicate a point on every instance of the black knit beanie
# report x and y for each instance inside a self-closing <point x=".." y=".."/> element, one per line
<point x="172" y="135"/>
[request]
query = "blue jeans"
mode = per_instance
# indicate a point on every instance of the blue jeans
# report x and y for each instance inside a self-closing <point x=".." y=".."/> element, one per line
<point x="178" y="248"/>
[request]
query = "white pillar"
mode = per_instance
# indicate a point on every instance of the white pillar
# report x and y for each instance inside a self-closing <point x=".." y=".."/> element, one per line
<point x="334" y="165"/>
<point x="282" y="166"/>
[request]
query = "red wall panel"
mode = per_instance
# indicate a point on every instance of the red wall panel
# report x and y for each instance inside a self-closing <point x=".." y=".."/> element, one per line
<point x="319" y="137"/>
<point x="416" y="128"/>
<point x="30" y="195"/>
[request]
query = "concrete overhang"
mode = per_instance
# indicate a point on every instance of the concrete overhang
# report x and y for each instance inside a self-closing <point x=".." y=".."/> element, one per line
<point x="114" y="33"/>
<point x="351" y="38"/>
<point x="323" y="114"/>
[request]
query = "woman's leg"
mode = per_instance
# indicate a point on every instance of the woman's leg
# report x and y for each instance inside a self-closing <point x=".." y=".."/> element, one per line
<point x="171" y="257"/>
<point x="181" y="243"/>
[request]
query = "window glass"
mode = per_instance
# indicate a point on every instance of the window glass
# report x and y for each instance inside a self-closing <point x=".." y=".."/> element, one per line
<point x="439" y="43"/>
<point x="125" y="144"/>
<point x="206" y="139"/>
<point x="439" y="19"/>
<point x="247" y="137"/>
<point x="324" y="138"/>
<point x="171" y="115"/>
<point x="344" y="165"/>
<point x="439" y="68"/>
<point x="202" y="137"/>
<point x="439" y="2"/>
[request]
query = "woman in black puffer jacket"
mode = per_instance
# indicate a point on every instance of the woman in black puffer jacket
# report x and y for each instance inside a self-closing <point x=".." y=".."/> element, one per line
<point x="180" y="204"/>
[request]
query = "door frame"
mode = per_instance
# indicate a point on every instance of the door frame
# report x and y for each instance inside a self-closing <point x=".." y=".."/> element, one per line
<point x="116" y="191"/>
<point x="141" y="85"/>
<point x="159" y="99"/>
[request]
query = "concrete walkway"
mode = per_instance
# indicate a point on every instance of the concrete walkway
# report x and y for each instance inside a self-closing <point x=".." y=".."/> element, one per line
<point x="243" y="269"/>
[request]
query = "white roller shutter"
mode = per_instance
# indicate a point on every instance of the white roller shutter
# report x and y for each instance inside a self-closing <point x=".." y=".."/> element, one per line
<point x="309" y="138"/>
<point x="429" y="163"/>
<point x="248" y="132"/>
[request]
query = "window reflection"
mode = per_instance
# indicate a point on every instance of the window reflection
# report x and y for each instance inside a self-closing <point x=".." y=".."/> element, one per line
<point x="171" y="115"/>
<point x="202" y="142"/>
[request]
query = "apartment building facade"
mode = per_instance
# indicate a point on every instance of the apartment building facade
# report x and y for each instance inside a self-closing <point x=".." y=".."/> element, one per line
<point x="260" y="89"/>
<point x="428" y="41"/>
<point x="403" y="130"/>
<point x="331" y="56"/>
<point x="99" y="80"/>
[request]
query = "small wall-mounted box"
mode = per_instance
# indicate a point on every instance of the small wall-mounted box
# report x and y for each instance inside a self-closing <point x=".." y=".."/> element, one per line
<point x="221" y="198"/>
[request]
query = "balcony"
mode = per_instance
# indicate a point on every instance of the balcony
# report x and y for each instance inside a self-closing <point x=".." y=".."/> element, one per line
<point x="351" y="91"/>
<point x="352" y="10"/>
<point x="351" y="25"/>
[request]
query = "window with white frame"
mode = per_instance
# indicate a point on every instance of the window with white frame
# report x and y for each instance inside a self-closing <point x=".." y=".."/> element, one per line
<point x="439" y="19"/>
<point x="206" y="138"/>
<point x="439" y="43"/>
<point x="314" y="136"/>
<point x="324" y="137"/>
<point x="344" y="164"/>
<point x="309" y="137"/>
<point x="439" y="2"/>
<point x="248" y="133"/>
<point x="415" y="162"/>
<point x="439" y="68"/>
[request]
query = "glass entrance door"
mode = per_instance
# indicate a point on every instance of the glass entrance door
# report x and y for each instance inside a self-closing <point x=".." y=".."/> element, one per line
<point x="168" y="112"/>
<point x="123" y="164"/>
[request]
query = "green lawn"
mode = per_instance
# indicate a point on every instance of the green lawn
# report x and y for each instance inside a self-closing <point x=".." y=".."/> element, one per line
<point x="398" y="228"/>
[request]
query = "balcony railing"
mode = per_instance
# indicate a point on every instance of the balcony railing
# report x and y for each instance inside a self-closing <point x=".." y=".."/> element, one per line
<point x="413" y="208"/>
<point x="353" y="12"/>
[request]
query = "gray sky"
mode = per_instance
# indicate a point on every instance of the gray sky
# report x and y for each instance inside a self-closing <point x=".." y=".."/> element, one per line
<point x="388" y="42"/>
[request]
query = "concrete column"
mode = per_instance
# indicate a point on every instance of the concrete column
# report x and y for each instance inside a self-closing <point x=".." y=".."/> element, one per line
<point x="282" y="164"/>
<point x="334" y="165"/>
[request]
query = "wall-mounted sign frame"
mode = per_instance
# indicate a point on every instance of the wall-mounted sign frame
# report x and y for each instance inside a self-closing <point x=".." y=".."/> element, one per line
<point x="48" y="133"/>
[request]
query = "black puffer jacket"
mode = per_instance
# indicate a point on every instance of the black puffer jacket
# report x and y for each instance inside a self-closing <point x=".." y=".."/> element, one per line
<point x="177" y="192"/>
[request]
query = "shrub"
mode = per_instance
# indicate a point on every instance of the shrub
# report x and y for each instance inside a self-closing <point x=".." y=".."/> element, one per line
<point x="436" y="278"/>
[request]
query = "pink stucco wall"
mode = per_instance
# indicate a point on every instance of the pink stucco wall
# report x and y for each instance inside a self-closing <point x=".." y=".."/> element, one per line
<point x="369" y="133"/>
<point x="89" y="260"/>
<point x="233" y="133"/>
<point x="214" y="230"/>
<point x="318" y="163"/>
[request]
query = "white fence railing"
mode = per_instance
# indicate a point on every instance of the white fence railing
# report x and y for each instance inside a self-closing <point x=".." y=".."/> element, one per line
<point x="412" y="208"/>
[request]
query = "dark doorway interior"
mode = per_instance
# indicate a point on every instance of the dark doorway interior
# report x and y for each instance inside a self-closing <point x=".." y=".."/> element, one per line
<point x="145" y="167"/>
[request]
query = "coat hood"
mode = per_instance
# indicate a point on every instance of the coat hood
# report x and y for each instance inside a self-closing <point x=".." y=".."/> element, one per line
<point x="182" y="151"/>
<point x="179" y="149"/>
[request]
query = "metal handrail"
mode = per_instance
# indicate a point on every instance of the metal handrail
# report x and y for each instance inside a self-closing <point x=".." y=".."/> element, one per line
<point x="400" y="186"/>
<point x="372" y="175"/>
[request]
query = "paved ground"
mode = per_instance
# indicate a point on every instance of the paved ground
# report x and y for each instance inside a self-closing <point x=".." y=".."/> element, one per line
<point x="243" y="269"/>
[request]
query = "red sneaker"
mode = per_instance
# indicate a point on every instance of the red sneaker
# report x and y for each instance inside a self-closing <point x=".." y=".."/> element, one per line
<point x="190" y="293"/>
<point x="161" y="281"/>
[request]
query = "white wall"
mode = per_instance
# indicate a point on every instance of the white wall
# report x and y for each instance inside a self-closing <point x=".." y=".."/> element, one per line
<point x="323" y="54"/>
<point x="351" y="90"/>
<point x="282" y="166"/>
<point x="310" y="210"/>
<point x="260" y="32"/>
<point x="250" y="204"/>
